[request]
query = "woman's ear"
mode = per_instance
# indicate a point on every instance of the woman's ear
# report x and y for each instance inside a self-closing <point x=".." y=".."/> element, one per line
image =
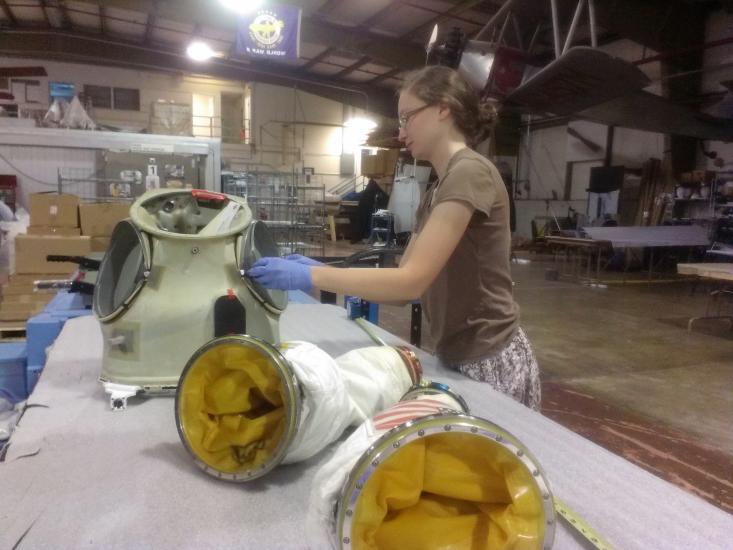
<point x="443" y="111"/>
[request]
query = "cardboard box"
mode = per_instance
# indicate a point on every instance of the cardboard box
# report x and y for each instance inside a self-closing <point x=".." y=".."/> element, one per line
<point x="22" y="308"/>
<point x="16" y="278"/>
<point x="381" y="164"/>
<point x="54" y="209"/>
<point x="19" y="311"/>
<point x="51" y="230"/>
<point x="389" y="160"/>
<point x="26" y="298"/>
<point x="100" y="244"/>
<point x="370" y="165"/>
<point x="99" y="219"/>
<point x="15" y="289"/>
<point x="31" y="252"/>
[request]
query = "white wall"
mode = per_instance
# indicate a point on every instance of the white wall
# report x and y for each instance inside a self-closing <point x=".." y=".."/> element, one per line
<point x="291" y="128"/>
<point x="153" y="86"/>
<point x="276" y="147"/>
<point x="36" y="168"/>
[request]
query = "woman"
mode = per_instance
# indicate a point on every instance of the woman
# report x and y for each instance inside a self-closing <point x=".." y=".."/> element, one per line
<point x="457" y="261"/>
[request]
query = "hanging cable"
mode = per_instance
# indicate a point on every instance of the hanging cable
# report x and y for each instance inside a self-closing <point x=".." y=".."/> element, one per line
<point x="19" y="171"/>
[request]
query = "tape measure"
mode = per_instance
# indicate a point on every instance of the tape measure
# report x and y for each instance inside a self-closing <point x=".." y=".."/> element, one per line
<point x="580" y="525"/>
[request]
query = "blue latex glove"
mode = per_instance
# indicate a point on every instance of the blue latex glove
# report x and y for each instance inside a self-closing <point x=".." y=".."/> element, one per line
<point x="281" y="274"/>
<point x="303" y="260"/>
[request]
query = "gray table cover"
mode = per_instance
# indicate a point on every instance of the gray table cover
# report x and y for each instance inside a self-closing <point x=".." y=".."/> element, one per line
<point x="78" y="475"/>
<point x="651" y="236"/>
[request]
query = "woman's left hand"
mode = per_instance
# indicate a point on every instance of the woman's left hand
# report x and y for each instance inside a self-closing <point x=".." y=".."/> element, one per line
<point x="281" y="274"/>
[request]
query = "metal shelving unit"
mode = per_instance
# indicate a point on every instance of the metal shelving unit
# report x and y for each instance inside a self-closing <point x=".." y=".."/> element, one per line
<point x="293" y="210"/>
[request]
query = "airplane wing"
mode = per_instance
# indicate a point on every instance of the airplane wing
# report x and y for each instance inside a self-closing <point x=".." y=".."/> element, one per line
<point x="581" y="78"/>
<point x="590" y="84"/>
<point x="644" y="111"/>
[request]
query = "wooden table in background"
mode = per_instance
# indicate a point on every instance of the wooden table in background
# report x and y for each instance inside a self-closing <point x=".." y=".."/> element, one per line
<point x="721" y="273"/>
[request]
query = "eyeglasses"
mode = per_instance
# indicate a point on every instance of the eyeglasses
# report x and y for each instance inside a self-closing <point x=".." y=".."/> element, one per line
<point x="404" y="119"/>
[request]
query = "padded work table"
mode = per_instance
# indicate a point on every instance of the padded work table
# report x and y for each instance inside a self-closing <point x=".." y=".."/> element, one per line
<point x="78" y="475"/>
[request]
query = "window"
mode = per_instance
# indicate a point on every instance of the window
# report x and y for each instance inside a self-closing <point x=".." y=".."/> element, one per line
<point x="126" y="99"/>
<point x="100" y="96"/>
<point x="120" y="99"/>
<point x="25" y="91"/>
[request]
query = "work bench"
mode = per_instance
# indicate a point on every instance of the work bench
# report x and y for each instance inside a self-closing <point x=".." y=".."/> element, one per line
<point x="78" y="475"/>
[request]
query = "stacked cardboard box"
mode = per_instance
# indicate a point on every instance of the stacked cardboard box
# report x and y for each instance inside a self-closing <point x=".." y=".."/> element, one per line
<point x="54" y="214"/>
<point x="98" y="220"/>
<point x="54" y="230"/>
<point x="61" y="226"/>
<point x="380" y="165"/>
<point x="20" y="301"/>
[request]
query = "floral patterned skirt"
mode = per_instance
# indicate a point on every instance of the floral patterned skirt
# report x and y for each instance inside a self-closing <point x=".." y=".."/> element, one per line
<point x="513" y="371"/>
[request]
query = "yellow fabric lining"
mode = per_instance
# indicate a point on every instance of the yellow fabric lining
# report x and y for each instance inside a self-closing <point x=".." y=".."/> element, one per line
<point x="231" y="408"/>
<point x="452" y="491"/>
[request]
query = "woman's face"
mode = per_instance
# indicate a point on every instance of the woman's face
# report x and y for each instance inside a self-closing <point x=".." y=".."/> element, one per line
<point x="420" y="125"/>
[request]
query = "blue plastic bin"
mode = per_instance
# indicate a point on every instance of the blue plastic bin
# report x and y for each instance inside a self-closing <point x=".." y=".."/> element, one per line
<point x="13" y="360"/>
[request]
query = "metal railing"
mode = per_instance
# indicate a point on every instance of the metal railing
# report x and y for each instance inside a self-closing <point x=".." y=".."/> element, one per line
<point x="349" y="185"/>
<point x="209" y="126"/>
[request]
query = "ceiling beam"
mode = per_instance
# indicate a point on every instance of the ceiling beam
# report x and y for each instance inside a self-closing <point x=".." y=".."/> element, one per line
<point x="111" y="51"/>
<point x="102" y="17"/>
<point x="150" y="24"/>
<point x="64" y="13"/>
<point x="317" y="59"/>
<point x="384" y="76"/>
<point x="329" y="6"/>
<point x="44" y="9"/>
<point x="351" y="68"/>
<point x="453" y="17"/>
<point x="384" y="49"/>
<point x="9" y="15"/>
<point x="370" y="21"/>
<point x="458" y="9"/>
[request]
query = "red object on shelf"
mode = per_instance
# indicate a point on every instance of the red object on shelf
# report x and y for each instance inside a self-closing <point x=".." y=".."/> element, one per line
<point x="8" y="190"/>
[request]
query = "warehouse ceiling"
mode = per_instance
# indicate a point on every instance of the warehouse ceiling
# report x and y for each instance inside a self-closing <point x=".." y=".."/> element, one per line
<point x="350" y="49"/>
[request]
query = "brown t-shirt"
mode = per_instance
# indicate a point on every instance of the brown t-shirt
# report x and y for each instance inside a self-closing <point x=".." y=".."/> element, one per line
<point x="470" y="307"/>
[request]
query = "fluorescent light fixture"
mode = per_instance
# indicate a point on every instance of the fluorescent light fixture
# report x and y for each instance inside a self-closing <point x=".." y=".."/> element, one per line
<point x="199" y="51"/>
<point x="242" y="7"/>
<point x="360" y="124"/>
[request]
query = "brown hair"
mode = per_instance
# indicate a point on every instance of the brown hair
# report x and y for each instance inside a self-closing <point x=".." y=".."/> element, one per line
<point x="442" y="85"/>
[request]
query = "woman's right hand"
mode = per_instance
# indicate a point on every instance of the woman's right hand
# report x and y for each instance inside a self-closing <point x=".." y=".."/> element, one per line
<point x="303" y="260"/>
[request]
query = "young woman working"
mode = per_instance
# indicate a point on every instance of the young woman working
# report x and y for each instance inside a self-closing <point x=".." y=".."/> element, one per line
<point x="458" y="259"/>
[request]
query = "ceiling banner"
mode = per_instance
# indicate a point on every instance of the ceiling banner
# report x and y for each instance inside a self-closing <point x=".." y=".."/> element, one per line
<point x="273" y="33"/>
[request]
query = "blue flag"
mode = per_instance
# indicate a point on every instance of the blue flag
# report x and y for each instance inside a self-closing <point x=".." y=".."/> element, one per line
<point x="273" y="33"/>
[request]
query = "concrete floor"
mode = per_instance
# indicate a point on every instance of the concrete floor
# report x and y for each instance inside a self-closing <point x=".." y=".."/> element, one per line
<point x="619" y="367"/>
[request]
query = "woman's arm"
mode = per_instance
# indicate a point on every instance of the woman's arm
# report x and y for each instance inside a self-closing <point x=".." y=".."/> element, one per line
<point x="425" y="257"/>
<point x="403" y="261"/>
<point x="408" y="251"/>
